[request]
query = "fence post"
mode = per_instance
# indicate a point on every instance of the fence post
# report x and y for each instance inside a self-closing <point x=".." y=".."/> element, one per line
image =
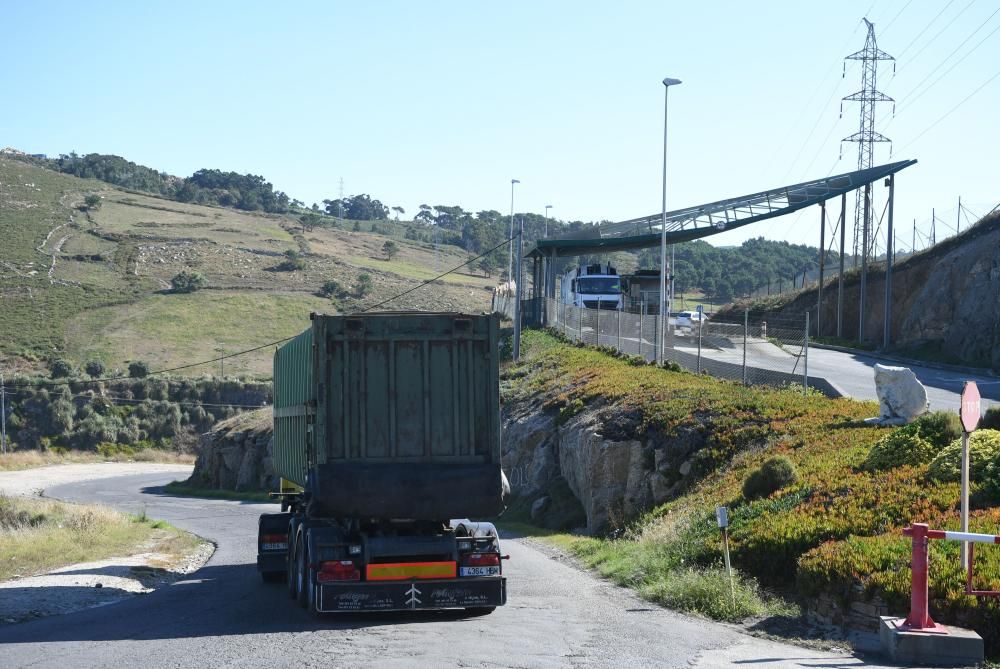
<point x="598" y="325"/>
<point x="805" y="359"/>
<point x="642" y="317"/>
<point x="579" y="323"/>
<point x="619" y="314"/>
<point x="701" y="326"/>
<point x="746" y="326"/>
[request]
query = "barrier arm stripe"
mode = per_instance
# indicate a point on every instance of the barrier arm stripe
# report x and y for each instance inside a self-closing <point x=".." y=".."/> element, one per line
<point x="957" y="536"/>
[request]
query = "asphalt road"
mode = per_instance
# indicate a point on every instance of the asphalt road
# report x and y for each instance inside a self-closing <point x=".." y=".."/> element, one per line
<point x="224" y="616"/>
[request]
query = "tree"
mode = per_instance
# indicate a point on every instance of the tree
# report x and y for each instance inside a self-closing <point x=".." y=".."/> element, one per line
<point x="94" y="369"/>
<point x="293" y="261"/>
<point x="363" y="285"/>
<point x="309" y="221"/>
<point x="138" y="369"/>
<point x="187" y="282"/>
<point x="61" y="368"/>
<point x="92" y="201"/>
<point x="390" y="248"/>
<point x="330" y="288"/>
<point x="357" y="227"/>
<point x="398" y="210"/>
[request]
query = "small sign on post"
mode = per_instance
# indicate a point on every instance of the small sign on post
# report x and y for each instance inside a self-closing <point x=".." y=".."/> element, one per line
<point x="722" y="518"/>
<point x="969" y="414"/>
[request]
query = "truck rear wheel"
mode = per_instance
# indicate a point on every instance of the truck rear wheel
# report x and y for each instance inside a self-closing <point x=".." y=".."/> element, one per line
<point x="301" y="570"/>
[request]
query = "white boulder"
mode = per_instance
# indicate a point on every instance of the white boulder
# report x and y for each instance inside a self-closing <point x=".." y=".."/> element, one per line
<point x="901" y="396"/>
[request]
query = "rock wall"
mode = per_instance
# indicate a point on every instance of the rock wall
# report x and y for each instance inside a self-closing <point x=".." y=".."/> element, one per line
<point x="236" y="455"/>
<point x="947" y="297"/>
<point x="613" y="472"/>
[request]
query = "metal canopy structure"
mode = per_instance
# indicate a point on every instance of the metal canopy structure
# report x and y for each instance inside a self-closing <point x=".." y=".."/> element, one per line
<point x="684" y="225"/>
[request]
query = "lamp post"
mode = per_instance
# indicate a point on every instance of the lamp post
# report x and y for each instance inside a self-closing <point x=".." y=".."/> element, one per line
<point x="510" y="244"/>
<point x="547" y="207"/>
<point x="664" y="305"/>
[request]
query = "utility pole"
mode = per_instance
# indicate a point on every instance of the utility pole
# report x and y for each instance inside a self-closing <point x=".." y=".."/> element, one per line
<point x="933" y="227"/>
<point x="889" y="253"/>
<point x="510" y="243"/>
<point x="913" y="243"/>
<point x="866" y="137"/>
<point x="840" y="276"/>
<point x="958" y="216"/>
<point x="822" y="265"/>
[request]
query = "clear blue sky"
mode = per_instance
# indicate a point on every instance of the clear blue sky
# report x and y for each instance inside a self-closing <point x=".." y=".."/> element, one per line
<point x="445" y="102"/>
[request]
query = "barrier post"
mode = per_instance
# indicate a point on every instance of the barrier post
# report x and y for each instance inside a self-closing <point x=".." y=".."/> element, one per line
<point x="920" y="617"/>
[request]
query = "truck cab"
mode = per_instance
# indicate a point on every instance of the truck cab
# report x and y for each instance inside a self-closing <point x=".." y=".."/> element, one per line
<point x="594" y="286"/>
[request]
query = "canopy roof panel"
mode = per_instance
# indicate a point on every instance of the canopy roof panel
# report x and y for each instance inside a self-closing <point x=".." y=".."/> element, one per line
<point x="684" y="225"/>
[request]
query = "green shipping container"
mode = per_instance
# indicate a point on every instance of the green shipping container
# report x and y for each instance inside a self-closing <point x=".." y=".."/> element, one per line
<point x="392" y="415"/>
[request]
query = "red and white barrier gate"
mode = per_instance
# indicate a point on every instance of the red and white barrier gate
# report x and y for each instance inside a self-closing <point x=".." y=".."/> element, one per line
<point x="920" y="618"/>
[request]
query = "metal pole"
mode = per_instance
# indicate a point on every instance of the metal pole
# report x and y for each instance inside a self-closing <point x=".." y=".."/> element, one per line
<point x="746" y="326"/>
<point x="805" y="359"/>
<point x="920" y="617"/>
<point x="701" y="326"/>
<point x="965" y="497"/>
<point x="510" y="247"/>
<point x="598" y="325"/>
<point x="840" y="278"/>
<point x="517" y="294"/>
<point x="864" y="268"/>
<point x="958" y="215"/>
<point x="822" y="264"/>
<point x="579" y="323"/>
<point x="3" y="415"/>
<point x="664" y="308"/>
<point x="890" y="251"/>
<point x="642" y="317"/>
<point x="619" y="314"/>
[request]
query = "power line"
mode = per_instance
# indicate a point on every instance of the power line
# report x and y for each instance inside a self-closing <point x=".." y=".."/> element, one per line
<point x="940" y="32"/>
<point x="950" y="111"/>
<point x="907" y="101"/>
<point x="255" y="348"/>
<point x="443" y="274"/>
<point x="926" y="28"/>
<point x="889" y="24"/>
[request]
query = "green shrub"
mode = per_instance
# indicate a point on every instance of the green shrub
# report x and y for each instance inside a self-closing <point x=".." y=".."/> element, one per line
<point x="991" y="419"/>
<point x="904" y="446"/>
<point x="138" y="369"/>
<point x="363" y="285"/>
<point x="187" y="282"/>
<point x="775" y="474"/>
<point x="61" y="369"/>
<point x="293" y="261"/>
<point x="984" y="449"/>
<point x="940" y="428"/>
<point x="330" y="288"/>
<point x="94" y="369"/>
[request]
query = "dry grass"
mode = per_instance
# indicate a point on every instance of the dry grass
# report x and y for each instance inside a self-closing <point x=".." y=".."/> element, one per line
<point x="38" y="535"/>
<point x="19" y="460"/>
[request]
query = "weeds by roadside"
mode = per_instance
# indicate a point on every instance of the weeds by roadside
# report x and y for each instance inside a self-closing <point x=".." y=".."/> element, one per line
<point x="38" y="535"/>
<point x="19" y="460"/>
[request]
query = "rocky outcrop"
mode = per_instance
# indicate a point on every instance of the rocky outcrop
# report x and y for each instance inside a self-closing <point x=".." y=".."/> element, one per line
<point x="613" y="472"/>
<point x="236" y="455"/>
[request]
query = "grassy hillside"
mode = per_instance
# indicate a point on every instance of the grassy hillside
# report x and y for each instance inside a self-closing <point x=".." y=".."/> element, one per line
<point x="94" y="284"/>
<point x="834" y="531"/>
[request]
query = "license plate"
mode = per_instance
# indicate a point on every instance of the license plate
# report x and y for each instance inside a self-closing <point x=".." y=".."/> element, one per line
<point x="275" y="547"/>
<point x="480" y="571"/>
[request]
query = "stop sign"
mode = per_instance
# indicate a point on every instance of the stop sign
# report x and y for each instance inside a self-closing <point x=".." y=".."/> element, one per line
<point x="970" y="406"/>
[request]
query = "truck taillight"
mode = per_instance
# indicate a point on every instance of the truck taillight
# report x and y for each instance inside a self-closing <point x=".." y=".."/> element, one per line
<point x="338" y="570"/>
<point x="274" y="542"/>
<point x="481" y="560"/>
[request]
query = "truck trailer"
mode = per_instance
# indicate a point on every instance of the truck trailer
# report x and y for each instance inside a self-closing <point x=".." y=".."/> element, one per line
<point x="386" y="429"/>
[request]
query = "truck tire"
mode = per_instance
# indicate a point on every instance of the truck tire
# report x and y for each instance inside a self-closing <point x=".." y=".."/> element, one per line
<point x="293" y="527"/>
<point x="301" y="570"/>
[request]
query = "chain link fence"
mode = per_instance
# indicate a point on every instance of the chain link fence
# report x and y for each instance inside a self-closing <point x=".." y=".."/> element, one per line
<point x="771" y="352"/>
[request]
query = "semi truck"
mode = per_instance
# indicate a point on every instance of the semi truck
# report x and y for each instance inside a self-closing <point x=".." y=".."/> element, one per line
<point x="593" y="286"/>
<point x="387" y="439"/>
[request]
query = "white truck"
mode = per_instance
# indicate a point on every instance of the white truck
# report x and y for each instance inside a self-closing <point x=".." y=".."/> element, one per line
<point x="594" y="286"/>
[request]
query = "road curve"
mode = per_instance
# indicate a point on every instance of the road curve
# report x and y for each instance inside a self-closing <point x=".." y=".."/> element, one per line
<point x="224" y="616"/>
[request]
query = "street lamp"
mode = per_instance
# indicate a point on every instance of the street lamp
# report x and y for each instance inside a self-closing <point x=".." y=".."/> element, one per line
<point x="664" y="305"/>
<point x="510" y="243"/>
<point x="547" y="207"/>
